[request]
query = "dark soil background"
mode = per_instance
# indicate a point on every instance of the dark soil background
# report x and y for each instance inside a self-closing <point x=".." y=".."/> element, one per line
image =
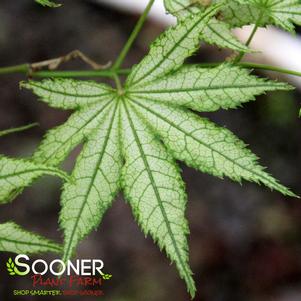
<point x="245" y="241"/>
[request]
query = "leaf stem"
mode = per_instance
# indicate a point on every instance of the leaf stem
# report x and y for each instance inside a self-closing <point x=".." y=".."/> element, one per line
<point x="111" y="73"/>
<point x="241" y="54"/>
<point x="27" y="70"/>
<point x="23" y="68"/>
<point x="118" y="84"/>
<point x="18" y="129"/>
<point x="81" y="73"/>
<point x="133" y="36"/>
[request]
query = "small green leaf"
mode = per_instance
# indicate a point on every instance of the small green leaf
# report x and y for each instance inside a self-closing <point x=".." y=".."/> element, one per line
<point x="284" y="13"/>
<point x="48" y="3"/>
<point x="238" y="13"/>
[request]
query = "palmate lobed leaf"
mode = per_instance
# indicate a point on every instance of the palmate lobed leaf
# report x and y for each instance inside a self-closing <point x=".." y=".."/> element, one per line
<point x="149" y="173"/>
<point x="133" y="137"/>
<point x="17" y="240"/>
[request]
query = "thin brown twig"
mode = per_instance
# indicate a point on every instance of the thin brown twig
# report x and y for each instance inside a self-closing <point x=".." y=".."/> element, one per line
<point x="54" y="63"/>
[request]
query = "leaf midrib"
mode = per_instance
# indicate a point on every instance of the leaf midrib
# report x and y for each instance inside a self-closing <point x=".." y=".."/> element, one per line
<point x="206" y="88"/>
<point x="46" y="170"/>
<point x="63" y="93"/>
<point x="16" y="242"/>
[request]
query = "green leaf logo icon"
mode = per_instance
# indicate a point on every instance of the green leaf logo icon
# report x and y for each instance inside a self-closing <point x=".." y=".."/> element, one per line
<point x="106" y="276"/>
<point x="12" y="269"/>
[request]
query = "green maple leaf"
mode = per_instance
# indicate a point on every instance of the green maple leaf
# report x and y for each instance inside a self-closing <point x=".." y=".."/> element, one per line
<point x="17" y="240"/>
<point x="133" y="137"/>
